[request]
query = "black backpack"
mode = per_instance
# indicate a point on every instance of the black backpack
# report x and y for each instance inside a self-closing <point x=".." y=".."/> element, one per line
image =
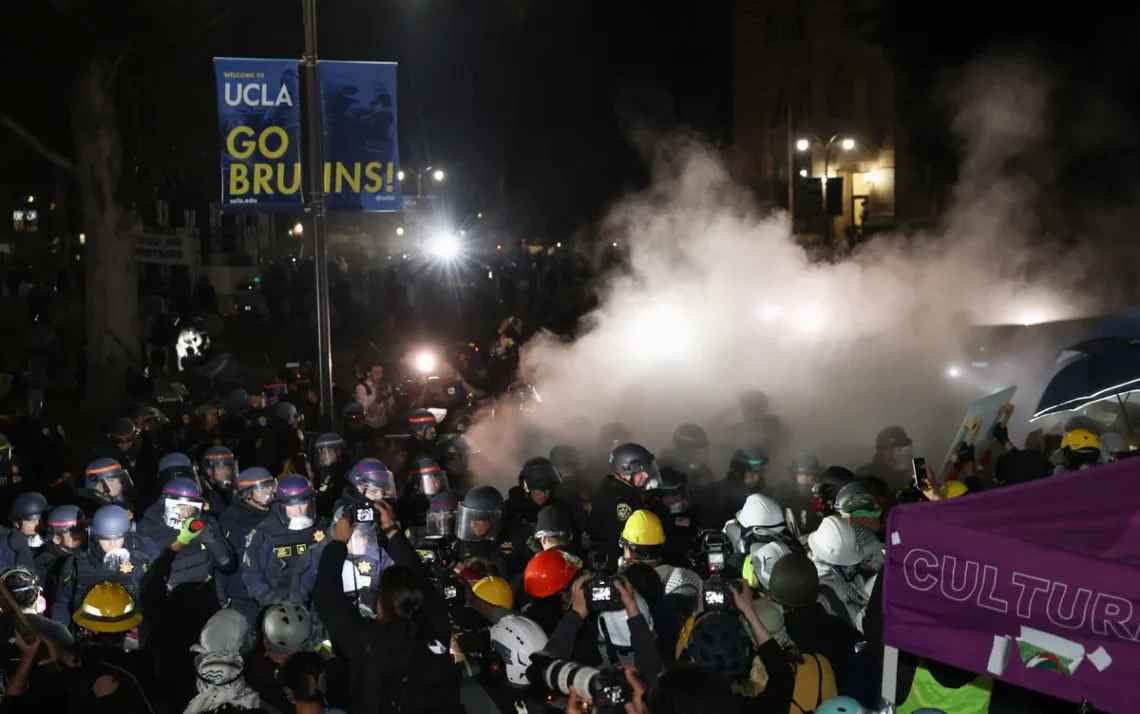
<point x="421" y="680"/>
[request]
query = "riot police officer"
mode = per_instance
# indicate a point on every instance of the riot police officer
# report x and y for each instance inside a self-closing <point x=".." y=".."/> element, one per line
<point x="27" y="516"/>
<point x="422" y="427"/>
<point x="538" y="482"/>
<point x="329" y="468"/>
<point x="281" y="554"/>
<point x="370" y="482"/>
<point x="478" y="524"/>
<point x="634" y="471"/>
<point x="128" y="446"/>
<point x="175" y="465"/>
<point x="67" y="535"/>
<point x="690" y="454"/>
<point x="106" y="482"/>
<point x="283" y="443"/>
<point x="113" y="554"/>
<point x="425" y="479"/>
<point x="746" y="475"/>
<point x="453" y="453"/>
<point x="680" y="520"/>
<point x="439" y="523"/>
<point x="220" y="470"/>
<point x="208" y="556"/>
<point x="255" y="489"/>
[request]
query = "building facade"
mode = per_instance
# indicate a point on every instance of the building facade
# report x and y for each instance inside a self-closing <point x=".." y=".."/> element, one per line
<point x="814" y="95"/>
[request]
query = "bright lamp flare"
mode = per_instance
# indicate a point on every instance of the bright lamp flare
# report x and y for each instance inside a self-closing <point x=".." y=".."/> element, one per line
<point x="445" y="247"/>
<point x="426" y="362"/>
<point x="802" y="145"/>
<point x="848" y="144"/>
<point x="953" y="372"/>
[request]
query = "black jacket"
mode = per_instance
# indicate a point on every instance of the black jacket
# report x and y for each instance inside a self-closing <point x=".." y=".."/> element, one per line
<point x="375" y="648"/>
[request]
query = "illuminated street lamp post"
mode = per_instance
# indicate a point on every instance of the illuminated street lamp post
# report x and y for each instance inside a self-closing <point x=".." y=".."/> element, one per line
<point x="845" y="143"/>
<point x="437" y="175"/>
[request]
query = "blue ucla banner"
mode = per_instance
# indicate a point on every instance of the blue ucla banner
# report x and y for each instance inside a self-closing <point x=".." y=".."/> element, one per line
<point x="259" y="115"/>
<point x="358" y="102"/>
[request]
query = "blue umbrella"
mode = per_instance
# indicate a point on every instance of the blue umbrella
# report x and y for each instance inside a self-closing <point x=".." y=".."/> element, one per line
<point x="1103" y="369"/>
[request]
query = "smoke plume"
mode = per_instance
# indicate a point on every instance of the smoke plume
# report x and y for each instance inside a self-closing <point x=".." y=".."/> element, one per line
<point x="717" y="298"/>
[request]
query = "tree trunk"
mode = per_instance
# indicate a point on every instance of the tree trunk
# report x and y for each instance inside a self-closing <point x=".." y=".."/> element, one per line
<point x="113" y="343"/>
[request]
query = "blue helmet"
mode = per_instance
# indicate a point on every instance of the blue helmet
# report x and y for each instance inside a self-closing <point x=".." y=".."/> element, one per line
<point x="182" y="488"/>
<point x="28" y="506"/>
<point x="371" y="475"/>
<point x="328" y="448"/>
<point x="110" y="522"/>
<point x="427" y="477"/>
<point x="294" y="489"/>
<point x="420" y="420"/>
<point x="257" y="486"/>
<point x="65" y="518"/>
<point x="107" y="479"/>
<point x="220" y="465"/>
<point x="181" y="499"/>
<point x="841" y="705"/>
<point x="287" y="412"/>
<point x="237" y="402"/>
<point x="123" y="430"/>
<point x="172" y="460"/>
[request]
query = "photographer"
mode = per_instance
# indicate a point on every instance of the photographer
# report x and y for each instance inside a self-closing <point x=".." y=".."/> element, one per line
<point x="729" y="639"/>
<point x="570" y="641"/>
<point x="399" y="659"/>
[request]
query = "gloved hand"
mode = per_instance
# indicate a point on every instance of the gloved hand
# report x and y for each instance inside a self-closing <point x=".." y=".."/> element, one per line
<point x="965" y="454"/>
<point x="185" y="536"/>
<point x="1001" y="433"/>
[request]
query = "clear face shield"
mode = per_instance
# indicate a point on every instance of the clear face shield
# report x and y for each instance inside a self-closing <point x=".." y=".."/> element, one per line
<point x="176" y="509"/>
<point x="647" y="477"/>
<point x="261" y="495"/>
<point x="474" y="525"/>
<point x="112" y="487"/>
<point x="222" y="472"/>
<point x="441" y="524"/>
<point x="901" y="457"/>
<point x="430" y="482"/>
<point x="677" y="500"/>
<point x="328" y="456"/>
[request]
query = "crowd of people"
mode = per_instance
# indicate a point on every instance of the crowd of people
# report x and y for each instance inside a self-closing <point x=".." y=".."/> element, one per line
<point x="218" y="558"/>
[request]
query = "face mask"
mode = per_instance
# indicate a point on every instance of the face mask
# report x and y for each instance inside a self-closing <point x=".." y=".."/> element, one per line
<point x="35" y="541"/>
<point x="117" y="557"/>
<point x="300" y="523"/>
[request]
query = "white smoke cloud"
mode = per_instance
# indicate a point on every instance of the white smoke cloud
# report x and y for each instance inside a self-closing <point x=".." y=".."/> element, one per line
<point x="718" y="298"/>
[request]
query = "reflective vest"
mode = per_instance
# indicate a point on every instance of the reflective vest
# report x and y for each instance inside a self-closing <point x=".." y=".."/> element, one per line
<point x="927" y="693"/>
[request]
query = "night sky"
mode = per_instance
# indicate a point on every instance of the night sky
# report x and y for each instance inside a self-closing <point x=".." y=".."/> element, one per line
<point x="529" y="103"/>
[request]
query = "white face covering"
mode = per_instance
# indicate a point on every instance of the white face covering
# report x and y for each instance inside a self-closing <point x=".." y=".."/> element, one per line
<point x="300" y="523"/>
<point x="35" y="541"/>
<point x="117" y="557"/>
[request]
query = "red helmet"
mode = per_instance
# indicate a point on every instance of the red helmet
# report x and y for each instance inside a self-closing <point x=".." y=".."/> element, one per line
<point x="549" y="572"/>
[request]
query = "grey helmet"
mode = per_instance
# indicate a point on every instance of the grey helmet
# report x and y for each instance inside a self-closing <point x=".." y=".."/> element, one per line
<point x="287" y="627"/>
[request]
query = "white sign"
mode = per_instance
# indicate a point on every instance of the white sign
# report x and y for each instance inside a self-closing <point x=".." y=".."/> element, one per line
<point x="162" y="248"/>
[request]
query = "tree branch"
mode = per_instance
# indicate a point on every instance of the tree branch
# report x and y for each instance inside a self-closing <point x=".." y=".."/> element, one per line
<point x="38" y="146"/>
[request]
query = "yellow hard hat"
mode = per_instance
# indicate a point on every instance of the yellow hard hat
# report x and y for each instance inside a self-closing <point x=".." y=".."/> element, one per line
<point x="642" y="528"/>
<point x="107" y="607"/>
<point x="1078" y="439"/>
<point x="494" y="590"/>
<point x="952" y="489"/>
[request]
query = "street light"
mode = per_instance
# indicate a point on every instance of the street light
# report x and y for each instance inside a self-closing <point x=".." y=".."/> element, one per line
<point x="438" y="174"/>
<point x="400" y="175"/>
<point x="297" y="230"/>
<point x="803" y="173"/>
<point x="400" y="231"/>
<point x="445" y="246"/>
<point x="846" y="144"/>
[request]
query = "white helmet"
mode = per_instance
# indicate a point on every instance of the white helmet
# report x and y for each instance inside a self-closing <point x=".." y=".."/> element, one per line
<point x="836" y="543"/>
<point x="761" y="511"/>
<point x="764" y="556"/>
<point x="515" y="638"/>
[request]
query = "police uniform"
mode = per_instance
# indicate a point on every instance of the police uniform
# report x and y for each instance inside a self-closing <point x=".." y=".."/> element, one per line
<point x="361" y="575"/>
<point x="280" y="564"/>
<point x="197" y="562"/>
<point x="615" y="503"/>
<point x="14" y="550"/>
<point x="237" y="522"/>
<point x="83" y="571"/>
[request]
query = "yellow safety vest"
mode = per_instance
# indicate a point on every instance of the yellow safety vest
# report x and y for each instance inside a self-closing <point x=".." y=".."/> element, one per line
<point x="926" y="693"/>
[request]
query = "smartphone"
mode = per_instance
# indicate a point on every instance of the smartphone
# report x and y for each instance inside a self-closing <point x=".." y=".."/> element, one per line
<point x="918" y="469"/>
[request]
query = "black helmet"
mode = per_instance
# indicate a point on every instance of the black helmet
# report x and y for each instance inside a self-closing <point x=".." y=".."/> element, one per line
<point x="794" y="581"/>
<point x="552" y="522"/>
<point x="673" y="492"/>
<point x="719" y="642"/>
<point x="690" y="436"/>
<point x="858" y="499"/>
<point x="564" y="456"/>
<point x="538" y="474"/>
<point x="631" y="459"/>
<point x="614" y="433"/>
<point x="893" y="437"/>
<point x="748" y="459"/>
<point x="484" y="498"/>
<point x="805" y="463"/>
<point x="831" y="480"/>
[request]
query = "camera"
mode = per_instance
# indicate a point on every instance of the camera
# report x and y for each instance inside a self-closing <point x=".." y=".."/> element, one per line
<point x="710" y="553"/>
<point x="602" y="595"/>
<point x="719" y="595"/>
<point x="435" y="553"/>
<point x="608" y="690"/>
<point x="365" y="515"/>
